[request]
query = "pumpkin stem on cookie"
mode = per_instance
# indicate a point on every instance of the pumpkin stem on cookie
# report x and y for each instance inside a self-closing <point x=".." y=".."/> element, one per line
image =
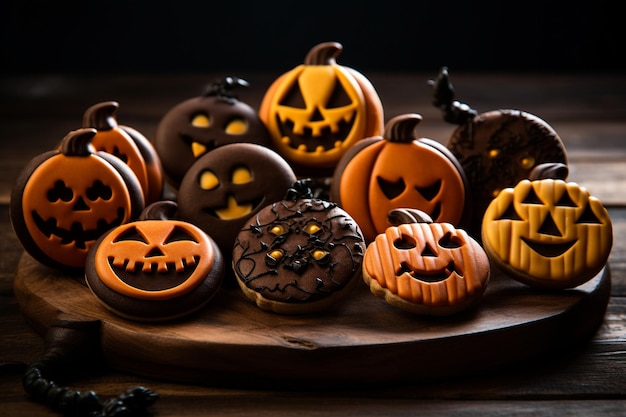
<point x="223" y="89"/>
<point x="101" y="116"/>
<point x="402" y="128"/>
<point x="399" y="216"/>
<point x="160" y="210"/>
<point x="299" y="190"/>
<point x="553" y="170"/>
<point x="323" y="54"/>
<point x="443" y="98"/>
<point x="78" y="142"/>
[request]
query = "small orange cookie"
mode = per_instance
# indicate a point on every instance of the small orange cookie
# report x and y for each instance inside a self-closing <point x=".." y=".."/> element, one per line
<point x="155" y="269"/>
<point x="424" y="267"/>
<point x="127" y="144"/>
<point x="548" y="233"/>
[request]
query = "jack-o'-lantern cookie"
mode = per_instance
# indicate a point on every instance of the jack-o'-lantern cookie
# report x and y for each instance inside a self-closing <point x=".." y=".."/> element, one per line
<point x="548" y="233"/>
<point x="298" y="255"/>
<point x="65" y="199"/>
<point x="400" y="170"/>
<point x="128" y="144"/>
<point x="156" y="268"/>
<point x="226" y="186"/>
<point x="498" y="148"/>
<point x="318" y="110"/>
<point x="200" y="124"/>
<point x="426" y="267"/>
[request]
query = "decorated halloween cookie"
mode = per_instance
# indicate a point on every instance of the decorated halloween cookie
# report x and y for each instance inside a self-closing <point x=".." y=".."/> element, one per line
<point x="298" y="255"/>
<point x="318" y="110"/>
<point x="127" y="144"/>
<point x="156" y="268"/>
<point x="200" y="124"/>
<point x="548" y="233"/>
<point x="226" y="186"/>
<point x="497" y="148"/>
<point x="397" y="170"/>
<point x="65" y="199"/>
<point x="426" y="267"/>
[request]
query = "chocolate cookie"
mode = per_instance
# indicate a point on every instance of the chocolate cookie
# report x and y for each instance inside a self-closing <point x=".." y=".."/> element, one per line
<point x="497" y="148"/>
<point x="298" y="255"/>
<point x="200" y="124"/>
<point x="226" y="186"/>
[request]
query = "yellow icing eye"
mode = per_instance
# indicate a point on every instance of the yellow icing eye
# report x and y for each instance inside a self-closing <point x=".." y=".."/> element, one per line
<point x="319" y="254"/>
<point x="236" y="127"/>
<point x="527" y="162"/>
<point x="273" y="257"/>
<point x="278" y="229"/>
<point x="200" y="120"/>
<point x="208" y="180"/>
<point x="312" y="228"/>
<point x="493" y="153"/>
<point x="276" y="254"/>
<point x="242" y="175"/>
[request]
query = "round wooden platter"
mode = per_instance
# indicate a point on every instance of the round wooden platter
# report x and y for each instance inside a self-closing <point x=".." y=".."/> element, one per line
<point x="363" y="341"/>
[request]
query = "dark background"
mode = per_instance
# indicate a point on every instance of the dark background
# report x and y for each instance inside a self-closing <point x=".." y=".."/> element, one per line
<point x="158" y="37"/>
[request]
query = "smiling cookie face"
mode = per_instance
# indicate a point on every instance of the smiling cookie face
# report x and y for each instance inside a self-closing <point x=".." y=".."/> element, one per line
<point x="228" y="185"/>
<point x="426" y="268"/>
<point x="200" y="124"/>
<point x="155" y="268"/>
<point x="64" y="200"/>
<point x="548" y="233"/>
<point x="318" y="110"/>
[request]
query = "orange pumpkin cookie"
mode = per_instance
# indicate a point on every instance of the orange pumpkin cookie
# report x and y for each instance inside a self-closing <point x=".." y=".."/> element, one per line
<point x="318" y="110"/>
<point x="298" y="255"/>
<point x="65" y="199"/>
<point x="127" y="144"/>
<point x="424" y="267"/>
<point x="548" y="233"/>
<point x="400" y="170"/>
<point x="155" y="268"/>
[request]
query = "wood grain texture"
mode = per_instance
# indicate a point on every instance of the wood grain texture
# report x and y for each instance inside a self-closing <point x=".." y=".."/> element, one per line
<point x="363" y="341"/>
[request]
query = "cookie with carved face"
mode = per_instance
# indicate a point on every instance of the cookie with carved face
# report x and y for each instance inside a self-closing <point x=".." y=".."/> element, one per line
<point x="156" y="268"/>
<point x="426" y="267"/>
<point x="298" y="255"/>
<point x="548" y="233"/>
<point x="226" y="186"/>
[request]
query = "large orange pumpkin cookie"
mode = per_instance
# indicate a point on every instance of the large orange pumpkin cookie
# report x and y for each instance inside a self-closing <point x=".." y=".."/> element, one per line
<point x="548" y="233"/>
<point x="318" y="110"/>
<point x="65" y="199"/>
<point x="400" y="170"/>
<point x="425" y="267"/>
<point x="156" y="268"/>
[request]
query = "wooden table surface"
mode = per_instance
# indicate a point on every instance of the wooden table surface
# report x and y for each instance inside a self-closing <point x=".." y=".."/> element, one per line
<point x="587" y="110"/>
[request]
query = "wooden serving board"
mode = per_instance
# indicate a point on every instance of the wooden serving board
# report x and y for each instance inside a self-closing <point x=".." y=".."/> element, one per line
<point x="363" y="341"/>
